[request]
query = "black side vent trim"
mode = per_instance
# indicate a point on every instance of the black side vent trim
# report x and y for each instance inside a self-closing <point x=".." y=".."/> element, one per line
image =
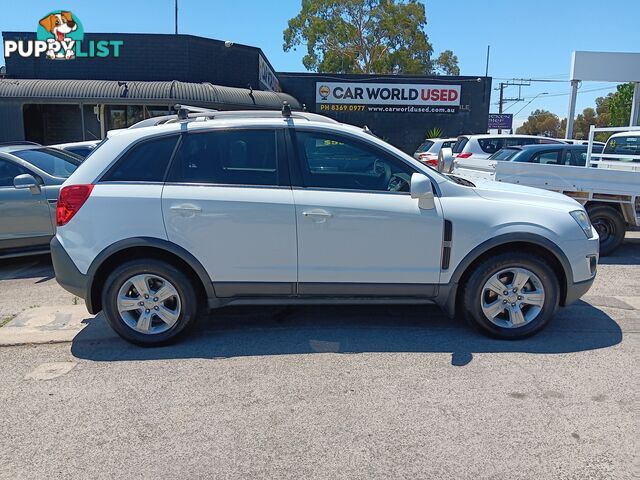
<point x="446" y="245"/>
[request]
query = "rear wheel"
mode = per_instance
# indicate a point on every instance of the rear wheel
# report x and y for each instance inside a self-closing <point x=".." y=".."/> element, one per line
<point x="149" y="302"/>
<point x="512" y="295"/>
<point x="610" y="226"/>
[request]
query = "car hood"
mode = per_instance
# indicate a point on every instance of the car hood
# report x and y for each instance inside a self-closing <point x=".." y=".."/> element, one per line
<point x="509" y="192"/>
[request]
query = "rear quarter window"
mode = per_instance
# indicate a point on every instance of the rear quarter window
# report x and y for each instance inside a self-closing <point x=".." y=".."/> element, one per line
<point x="460" y="144"/>
<point x="146" y="161"/>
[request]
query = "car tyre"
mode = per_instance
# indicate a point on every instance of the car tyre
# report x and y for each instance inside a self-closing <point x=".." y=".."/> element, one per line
<point x="141" y="317"/>
<point x="526" y="311"/>
<point x="610" y="226"/>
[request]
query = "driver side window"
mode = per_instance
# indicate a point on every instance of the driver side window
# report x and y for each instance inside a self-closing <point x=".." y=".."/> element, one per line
<point x="330" y="161"/>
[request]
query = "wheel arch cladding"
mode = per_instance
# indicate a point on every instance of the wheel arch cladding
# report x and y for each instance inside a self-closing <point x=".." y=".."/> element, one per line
<point x="142" y="247"/>
<point x="511" y="242"/>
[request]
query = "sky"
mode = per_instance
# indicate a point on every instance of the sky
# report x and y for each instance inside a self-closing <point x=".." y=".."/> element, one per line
<point x="528" y="39"/>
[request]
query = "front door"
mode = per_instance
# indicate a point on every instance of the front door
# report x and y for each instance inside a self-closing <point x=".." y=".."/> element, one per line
<point x="359" y="230"/>
<point x="25" y="218"/>
<point x="228" y="201"/>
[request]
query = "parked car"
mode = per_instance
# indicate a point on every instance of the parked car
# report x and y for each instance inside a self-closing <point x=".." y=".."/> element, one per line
<point x="82" y="149"/>
<point x="427" y="152"/>
<point x="30" y="179"/>
<point x="575" y="155"/>
<point x="483" y="146"/>
<point x="160" y="221"/>
<point x="625" y="144"/>
<point x="573" y="141"/>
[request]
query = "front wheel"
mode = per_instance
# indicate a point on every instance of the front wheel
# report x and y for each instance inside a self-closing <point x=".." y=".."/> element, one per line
<point x="149" y="302"/>
<point x="511" y="295"/>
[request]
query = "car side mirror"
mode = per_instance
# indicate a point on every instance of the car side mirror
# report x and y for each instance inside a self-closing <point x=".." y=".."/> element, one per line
<point x="422" y="189"/>
<point x="27" y="181"/>
<point x="445" y="160"/>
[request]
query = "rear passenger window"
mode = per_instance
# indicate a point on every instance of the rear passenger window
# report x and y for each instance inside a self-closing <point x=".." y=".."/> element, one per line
<point x="548" y="157"/>
<point x="227" y="157"/>
<point x="144" y="162"/>
<point x="491" y="145"/>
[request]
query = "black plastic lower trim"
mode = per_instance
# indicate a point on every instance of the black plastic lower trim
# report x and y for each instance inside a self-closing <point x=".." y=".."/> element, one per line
<point x="253" y="289"/>
<point x="67" y="274"/>
<point x="577" y="290"/>
<point x="426" y="290"/>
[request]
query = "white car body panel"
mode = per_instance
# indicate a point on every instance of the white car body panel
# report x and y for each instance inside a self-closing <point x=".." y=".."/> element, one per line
<point x="239" y="234"/>
<point x="112" y="213"/>
<point x="363" y="237"/>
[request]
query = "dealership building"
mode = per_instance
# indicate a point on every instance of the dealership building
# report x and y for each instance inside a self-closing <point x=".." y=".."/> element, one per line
<point x="53" y="101"/>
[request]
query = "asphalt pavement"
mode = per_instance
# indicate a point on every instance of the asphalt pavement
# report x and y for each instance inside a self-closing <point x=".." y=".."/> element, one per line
<point x="328" y="392"/>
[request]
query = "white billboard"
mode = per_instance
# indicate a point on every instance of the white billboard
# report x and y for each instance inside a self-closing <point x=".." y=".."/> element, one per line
<point x="405" y="94"/>
<point x="605" y="66"/>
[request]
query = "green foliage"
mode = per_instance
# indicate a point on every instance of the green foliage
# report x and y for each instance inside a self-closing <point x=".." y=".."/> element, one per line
<point x="366" y="36"/>
<point x="619" y="105"/>
<point x="542" y="122"/>
<point x="434" y="132"/>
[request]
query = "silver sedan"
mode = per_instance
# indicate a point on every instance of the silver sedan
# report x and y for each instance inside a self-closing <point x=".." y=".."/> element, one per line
<point x="30" y="180"/>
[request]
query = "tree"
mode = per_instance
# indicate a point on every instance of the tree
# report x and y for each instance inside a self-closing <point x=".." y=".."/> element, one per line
<point x="542" y="122"/>
<point x="365" y="36"/>
<point x="583" y="123"/>
<point x="447" y="63"/>
<point x="619" y="105"/>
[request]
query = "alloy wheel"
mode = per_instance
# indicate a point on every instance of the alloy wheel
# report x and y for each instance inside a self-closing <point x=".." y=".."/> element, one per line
<point x="512" y="298"/>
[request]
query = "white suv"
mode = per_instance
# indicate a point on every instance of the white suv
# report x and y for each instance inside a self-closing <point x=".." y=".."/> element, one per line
<point x="483" y="146"/>
<point x="264" y="208"/>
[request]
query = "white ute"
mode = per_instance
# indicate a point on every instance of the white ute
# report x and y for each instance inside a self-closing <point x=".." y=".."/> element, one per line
<point x="608" y="186"/>
<point x="285" y="208"/>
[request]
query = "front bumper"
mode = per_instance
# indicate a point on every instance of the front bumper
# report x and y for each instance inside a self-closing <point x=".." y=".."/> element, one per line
<point x="67" y="274"/>
<point x="577" y="290"/>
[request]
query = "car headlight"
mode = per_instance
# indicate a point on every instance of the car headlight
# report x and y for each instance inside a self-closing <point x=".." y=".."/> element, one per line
<point x="581" y="217"/>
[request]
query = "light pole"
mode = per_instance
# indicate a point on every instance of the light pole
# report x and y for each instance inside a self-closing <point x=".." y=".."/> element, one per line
<point x="176" y="17"/>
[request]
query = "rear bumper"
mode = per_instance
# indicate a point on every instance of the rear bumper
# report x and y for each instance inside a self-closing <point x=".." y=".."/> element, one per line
<point x="67" y="274"/>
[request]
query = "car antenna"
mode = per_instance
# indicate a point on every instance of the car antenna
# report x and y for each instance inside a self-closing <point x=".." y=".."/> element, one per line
<point x="286" y="110"/>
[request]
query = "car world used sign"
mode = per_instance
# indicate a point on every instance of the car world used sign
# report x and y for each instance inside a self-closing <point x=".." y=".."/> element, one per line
<point x="387" y="97"/>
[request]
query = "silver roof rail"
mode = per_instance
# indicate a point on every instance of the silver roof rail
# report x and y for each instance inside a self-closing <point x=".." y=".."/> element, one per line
<point x="197" y="112"/>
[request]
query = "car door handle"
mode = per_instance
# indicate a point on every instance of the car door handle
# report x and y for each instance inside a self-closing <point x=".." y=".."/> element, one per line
<point x="317" y="213"/>
<point x="186" y="208"/>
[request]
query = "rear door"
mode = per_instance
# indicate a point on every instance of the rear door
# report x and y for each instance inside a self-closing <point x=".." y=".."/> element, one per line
<point x="228" y="201"/>
<point x="24" y="215"/>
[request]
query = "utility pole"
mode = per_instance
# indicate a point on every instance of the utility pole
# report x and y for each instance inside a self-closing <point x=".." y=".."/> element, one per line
<point x="176" y="17"/>
<point x="486" y="70"/>
<point x="515" y="83"/>
<point x="501" y="102"/>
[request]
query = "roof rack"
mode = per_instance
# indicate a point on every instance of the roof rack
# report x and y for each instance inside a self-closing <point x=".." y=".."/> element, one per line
<point x="286" y="112"/>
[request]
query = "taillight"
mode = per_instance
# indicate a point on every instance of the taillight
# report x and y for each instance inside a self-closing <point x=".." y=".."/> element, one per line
<point x="464" y="155"/>
<point x="432" y="162"/>
<point x="70" y="200"/>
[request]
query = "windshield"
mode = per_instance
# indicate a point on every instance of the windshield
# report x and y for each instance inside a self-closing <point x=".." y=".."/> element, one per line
<point x="50" y="160"/>
<point x="629" y="145"/>
<point x="425" y="146"/>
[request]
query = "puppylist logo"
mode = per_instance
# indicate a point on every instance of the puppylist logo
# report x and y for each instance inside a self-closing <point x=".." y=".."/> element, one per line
<point x="60" y="36"/>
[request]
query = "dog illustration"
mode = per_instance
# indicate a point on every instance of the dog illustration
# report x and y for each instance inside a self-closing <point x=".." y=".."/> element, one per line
<point x="59" y="25"/>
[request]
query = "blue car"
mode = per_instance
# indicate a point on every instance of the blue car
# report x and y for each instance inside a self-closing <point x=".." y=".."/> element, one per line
<point x="554" y="154"/>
